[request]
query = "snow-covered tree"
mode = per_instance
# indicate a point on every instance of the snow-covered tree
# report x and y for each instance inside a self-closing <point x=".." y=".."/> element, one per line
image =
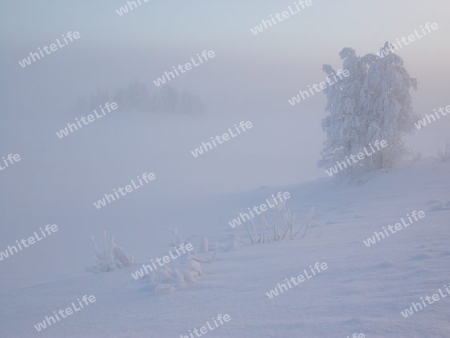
<point x="81" y="106"/>
<point x="372" y="103"/>
<point x="342" y="123"/>
<point x="388" y="113"/>
<point x="136" y="96"/>
<point x="98" y="99"/>
<point x="168" y="100"/>
<point x="190" y="104"/>
<point x="120" y="98"/>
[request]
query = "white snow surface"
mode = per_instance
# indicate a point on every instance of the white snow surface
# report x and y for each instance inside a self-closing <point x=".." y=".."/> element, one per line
<point x="362" y="291"/>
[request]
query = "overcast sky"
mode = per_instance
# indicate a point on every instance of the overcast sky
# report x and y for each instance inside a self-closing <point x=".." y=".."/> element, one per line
<point x="250" y="78"/>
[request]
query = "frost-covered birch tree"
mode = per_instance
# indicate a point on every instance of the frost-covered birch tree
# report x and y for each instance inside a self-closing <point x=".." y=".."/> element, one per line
<point x="373" y="103"/>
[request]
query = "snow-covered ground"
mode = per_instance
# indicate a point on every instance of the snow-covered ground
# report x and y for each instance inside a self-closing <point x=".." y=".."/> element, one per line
<point x="363" y="290"/>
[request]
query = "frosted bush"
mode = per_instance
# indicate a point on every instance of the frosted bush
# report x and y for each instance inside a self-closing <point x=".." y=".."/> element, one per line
<point x="205" y="245"/>
<point x="444" y="154"/>
<point x="282" y="224"/>
<point x="112" y="257"/>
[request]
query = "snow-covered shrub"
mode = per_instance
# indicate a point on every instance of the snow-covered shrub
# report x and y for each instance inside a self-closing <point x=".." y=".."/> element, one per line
<point x="282" y="224"/>
<point x="205" y="245"/>
<point x="308" y="223"/>
<point x="436" y="205"/>
<point x="184" y="269"/>
<point x="178" y="240"/>
<point x="233" y="242"/>
<point x="444" y="154"/>
<point x="112" y="257"/>
<point x="416" y="157"/>
<point x="195" y="266"/>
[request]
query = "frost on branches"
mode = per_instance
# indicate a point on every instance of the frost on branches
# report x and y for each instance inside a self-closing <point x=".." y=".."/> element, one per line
<point x="373" y="103"/>
<point x="112" y="257"/>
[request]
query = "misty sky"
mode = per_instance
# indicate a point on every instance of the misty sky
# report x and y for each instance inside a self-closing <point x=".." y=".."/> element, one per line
<point x="250" y="78"/>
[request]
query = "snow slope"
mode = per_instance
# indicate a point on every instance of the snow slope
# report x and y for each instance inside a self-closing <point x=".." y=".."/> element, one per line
<point x="362" y="291"/>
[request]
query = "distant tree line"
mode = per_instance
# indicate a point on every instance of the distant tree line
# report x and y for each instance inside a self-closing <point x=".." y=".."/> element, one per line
<point x="137" y="96"/>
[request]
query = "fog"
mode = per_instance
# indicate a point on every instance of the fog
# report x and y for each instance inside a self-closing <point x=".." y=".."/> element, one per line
<point x="250" y="79"/>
